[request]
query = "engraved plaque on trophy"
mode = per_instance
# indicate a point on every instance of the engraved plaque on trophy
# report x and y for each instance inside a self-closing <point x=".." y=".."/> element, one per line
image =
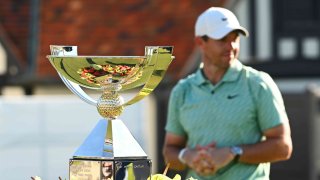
<point x="110" y="152"/>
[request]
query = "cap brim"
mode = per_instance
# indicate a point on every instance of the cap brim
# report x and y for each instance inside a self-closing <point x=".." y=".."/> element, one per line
<point x="219" y="34"/>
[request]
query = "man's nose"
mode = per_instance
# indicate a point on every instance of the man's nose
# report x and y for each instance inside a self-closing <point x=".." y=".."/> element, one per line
<point x="230" y="45"/>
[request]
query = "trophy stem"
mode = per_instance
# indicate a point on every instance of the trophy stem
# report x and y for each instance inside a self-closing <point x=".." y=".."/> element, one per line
<point x="110" y="104"/>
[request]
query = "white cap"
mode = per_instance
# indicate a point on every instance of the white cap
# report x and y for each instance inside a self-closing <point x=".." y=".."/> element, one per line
<point x="217" y="22"/>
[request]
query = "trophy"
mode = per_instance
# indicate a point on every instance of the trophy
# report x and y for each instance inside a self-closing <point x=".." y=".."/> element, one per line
<point x="110" y="151"/>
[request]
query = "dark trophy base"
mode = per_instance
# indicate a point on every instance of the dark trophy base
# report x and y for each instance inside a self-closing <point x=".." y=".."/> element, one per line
<point x="109" y="169"/>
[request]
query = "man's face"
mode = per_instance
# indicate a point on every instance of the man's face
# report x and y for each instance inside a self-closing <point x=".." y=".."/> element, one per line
<point x="107" y="169"/>
<point x="220" y="53"/>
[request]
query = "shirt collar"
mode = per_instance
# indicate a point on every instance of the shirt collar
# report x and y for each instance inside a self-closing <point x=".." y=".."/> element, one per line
<point x="232" y="74"/>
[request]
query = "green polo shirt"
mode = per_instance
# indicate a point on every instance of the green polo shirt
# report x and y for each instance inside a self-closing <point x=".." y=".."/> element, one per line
<point x="235" y="111"/>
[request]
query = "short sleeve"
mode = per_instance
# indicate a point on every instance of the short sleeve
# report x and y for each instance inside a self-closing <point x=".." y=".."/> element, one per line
<point x="173" y="124"/>
<point x="270" y="106"/>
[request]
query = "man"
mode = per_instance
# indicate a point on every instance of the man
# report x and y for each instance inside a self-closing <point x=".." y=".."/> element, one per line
<point x="226" y="121"/>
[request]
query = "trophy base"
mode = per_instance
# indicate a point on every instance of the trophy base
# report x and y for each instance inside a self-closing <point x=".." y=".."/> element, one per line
<point x="109" y="169"/>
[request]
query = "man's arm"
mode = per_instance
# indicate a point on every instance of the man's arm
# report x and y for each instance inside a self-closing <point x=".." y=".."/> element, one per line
<point x="172" y="146"/>
<point x="276" y="147"/>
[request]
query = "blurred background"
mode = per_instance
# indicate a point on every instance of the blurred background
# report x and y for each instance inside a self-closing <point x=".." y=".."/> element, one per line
<point x="42" y="123"/>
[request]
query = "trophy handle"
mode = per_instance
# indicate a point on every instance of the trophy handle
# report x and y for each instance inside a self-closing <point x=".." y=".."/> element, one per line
<point x="77" y="90"/>
<point x="164" y="54"/>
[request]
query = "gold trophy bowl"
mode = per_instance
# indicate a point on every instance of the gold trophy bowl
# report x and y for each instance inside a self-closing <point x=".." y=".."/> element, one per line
<point x="110" y="142"/>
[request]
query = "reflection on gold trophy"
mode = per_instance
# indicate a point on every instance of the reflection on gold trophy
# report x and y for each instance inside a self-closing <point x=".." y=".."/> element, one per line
<point x="110" y="151"/>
